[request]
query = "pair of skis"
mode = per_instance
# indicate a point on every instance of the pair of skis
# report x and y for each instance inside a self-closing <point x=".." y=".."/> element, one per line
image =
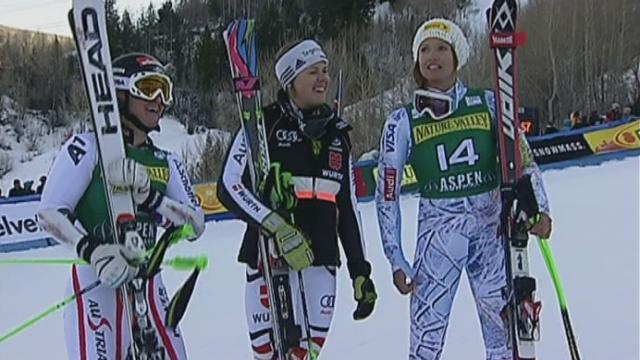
<point x="240" y="41"/>
<point x="521" y="313"/>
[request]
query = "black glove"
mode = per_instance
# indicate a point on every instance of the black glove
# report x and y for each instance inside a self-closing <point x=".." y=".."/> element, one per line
<point x="278" y="189"/>
<point x="526" y="197"/>
<point x="364" y="292"/>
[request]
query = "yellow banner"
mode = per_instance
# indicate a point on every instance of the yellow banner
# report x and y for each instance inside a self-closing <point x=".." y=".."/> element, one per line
<point x="208" y="198"/>
<point x="623" y="137"/>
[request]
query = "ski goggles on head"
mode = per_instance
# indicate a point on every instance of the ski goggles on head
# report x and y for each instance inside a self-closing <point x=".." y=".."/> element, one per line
<point x="148" y="86"/>
<point x="437" y="105"/>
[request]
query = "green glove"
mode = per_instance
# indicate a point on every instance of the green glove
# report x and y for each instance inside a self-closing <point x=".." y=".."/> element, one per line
<point x="364" y="292"/>
<point x="292" y="244"/>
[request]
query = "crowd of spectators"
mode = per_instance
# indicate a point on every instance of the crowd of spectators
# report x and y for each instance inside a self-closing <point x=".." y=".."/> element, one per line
<point x="577" y="119"/>
<point x="27" y="188"/>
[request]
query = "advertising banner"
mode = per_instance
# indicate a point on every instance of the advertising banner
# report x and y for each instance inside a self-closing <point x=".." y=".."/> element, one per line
<point x="19" y="226"/>
<point x="559" y="148"/>
<point x="622" y="137"/>
<point x="18" y="222"/>
<point x="208" y="198"/>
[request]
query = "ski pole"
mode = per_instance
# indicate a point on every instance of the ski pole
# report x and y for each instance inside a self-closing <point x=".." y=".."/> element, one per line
<point x="178" y="263"/>
<point x="171" y="237"/>
<point x="557" y="284"/>
<point x="311" y="351"/>
<point x="48" y="311"/>
<point x="339" y="94"/>
<point x="313" y="354"/>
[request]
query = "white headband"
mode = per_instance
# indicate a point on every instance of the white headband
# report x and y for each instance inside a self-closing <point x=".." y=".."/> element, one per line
<point x="297" y="59"/>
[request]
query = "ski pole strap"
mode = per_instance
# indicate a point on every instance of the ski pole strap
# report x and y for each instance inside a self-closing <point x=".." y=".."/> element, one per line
<point x="50" y="310"/>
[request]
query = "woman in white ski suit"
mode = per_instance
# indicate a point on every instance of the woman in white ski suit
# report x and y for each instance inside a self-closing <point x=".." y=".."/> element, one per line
<point x="73" y="209"/>
<point x="448" y="137"/>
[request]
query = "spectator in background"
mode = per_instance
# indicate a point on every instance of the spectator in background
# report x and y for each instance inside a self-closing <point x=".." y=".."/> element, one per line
<point x="626" y="111"/>
<point x="28" y="188"/>
<point x="575" y="118"/>
<point x="17" y="189"/>
<point x="550" y="129"/>
<point x="579" y="121"/>
<point x="566" y="123"/>
<point x="615" y="113"/>
<point x="43" y="180"/>
<point x="594" y="118"/>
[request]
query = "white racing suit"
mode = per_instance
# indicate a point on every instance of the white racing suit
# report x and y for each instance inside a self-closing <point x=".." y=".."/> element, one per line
<point x="96" y="325"/>
<point x="453" y="234"/>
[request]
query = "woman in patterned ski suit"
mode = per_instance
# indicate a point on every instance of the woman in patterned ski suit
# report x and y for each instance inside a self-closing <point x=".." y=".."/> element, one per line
<point x="448" y="137"/>
<point x="73" y="209"/>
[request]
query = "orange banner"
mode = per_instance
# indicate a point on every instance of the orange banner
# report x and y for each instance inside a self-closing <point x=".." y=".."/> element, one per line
<point x="623" y="137"/>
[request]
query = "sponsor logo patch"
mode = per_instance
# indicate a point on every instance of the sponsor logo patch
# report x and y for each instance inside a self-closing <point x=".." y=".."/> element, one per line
<point x="473" y="100"/>
<point x="287" y="137"/>
<point x="336" y="145"/>
<point x="390" y="138"/>
<point x="264" y="296"/>
<point x="390" y="178"/>
<point x="332" y="174"/>
<point x="428" y="131"/>
<point x="98" y="325"/>
<point x="158" y="174"/>
<point x="437" y="25"/>
<point x="335" y="160"/>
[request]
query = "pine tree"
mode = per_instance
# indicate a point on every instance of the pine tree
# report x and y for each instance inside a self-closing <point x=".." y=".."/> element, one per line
<point x="128" y="39"/>
<point x="113" y="28"/>
<point x="210" y="61"/>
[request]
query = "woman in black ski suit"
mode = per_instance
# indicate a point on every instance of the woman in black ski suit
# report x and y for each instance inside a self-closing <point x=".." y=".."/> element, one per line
<point x="309" y="149"/>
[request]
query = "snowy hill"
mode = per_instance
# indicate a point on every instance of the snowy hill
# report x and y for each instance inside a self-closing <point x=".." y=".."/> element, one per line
<point x="595" y="240"/>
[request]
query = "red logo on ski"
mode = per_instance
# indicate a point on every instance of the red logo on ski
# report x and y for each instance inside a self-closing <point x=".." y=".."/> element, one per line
<point x="247" y="86"/>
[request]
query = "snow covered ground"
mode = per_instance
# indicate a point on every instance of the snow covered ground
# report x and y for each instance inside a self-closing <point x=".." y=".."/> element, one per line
<point x="596" y="236"/>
